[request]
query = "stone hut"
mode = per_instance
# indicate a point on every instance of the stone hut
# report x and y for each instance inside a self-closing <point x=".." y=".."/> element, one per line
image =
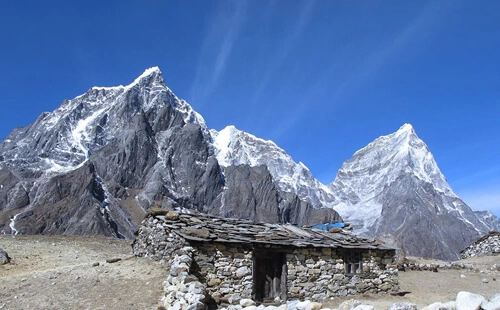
<point x="217" y="261"/>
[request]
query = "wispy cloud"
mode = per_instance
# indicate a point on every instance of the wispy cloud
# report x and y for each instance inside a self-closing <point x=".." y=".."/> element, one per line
<point x="276" y="61"/>
<point x="218" y="43"/>
<point x="279" y="57"/>
<point x="426" y="20"/>
<point x="370" y="66"/>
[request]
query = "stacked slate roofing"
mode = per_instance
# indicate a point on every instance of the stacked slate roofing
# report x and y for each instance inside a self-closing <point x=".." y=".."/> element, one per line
<point x="203" y="227"/>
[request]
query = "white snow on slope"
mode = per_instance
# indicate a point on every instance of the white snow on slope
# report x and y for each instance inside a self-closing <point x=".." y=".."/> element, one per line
<point x="145" y="74"/>
<point x="236" y="147"/>
<point x="80" y="134"/>
<point x="74" y="122"/>
<point x="361" y="179"/>
<point x="12" y="224"/>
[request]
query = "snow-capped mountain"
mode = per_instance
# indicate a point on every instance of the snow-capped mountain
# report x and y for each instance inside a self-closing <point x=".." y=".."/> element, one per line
<point x="234" y="147"/>
<point x="82" y="125"/>
<point x="100" y="160"/>
<point x="96" y="163"/>
<point x="393" y="186"/>
<point x="489" y="219"/>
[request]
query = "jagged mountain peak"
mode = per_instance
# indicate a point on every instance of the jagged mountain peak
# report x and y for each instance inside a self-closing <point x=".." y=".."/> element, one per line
<point x="406" y="128"/>
<point x="235" y="147"/>
<point x="399" y="153"/>
<point x="149" y="75"/>
<point x="62" y="140"/>
<point x="394" y="186"/>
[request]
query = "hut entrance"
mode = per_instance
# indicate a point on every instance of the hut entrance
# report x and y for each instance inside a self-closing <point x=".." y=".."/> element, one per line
<point x="269" y="276"/>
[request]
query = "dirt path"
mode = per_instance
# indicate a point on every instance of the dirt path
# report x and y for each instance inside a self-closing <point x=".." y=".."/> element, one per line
<point x="56" y="272"/>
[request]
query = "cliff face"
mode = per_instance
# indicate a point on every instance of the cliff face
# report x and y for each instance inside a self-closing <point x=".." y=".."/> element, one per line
<point x="252" y="194"/>
<point x="99" y="161"/>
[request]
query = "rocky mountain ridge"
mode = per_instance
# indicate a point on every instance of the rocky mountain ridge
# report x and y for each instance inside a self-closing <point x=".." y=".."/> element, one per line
<point x="393" y="187"/>
<point x="99" y="161"/>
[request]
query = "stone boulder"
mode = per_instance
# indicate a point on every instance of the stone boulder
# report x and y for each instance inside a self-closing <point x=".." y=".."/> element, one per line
<point x="493" y="304"/>
<point x="403" y="306"/>
<point x="4" y="257"/>
<point x="349" y="304"/>
<point x="441" y="306"/>
<point x="469" y="301"/>
<point x="364" y="307"/>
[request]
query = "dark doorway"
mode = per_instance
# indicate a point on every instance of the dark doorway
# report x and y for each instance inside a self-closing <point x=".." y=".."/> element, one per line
<point x="269" y="275"/>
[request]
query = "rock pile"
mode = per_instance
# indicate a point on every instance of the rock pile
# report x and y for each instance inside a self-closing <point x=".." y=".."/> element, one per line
<point x="463" y="301"/>
<point x="467" y="301"/>
<point x="412" y="265"/>
<point x="183" y="290"/>
<point x="4" y="257"/>
<point x="484" y="246"/>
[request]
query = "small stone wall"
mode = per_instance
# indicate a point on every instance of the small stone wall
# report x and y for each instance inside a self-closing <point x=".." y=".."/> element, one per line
<point x="486" y="245"/>
<point x="318" y="274"/>
<point x="208" y="273"/>
<point x="226" y="270"/>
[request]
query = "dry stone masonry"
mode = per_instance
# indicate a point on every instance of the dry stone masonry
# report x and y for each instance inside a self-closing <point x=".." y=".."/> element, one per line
<point x="216" y="262"/>
<point x="484" y="246"/>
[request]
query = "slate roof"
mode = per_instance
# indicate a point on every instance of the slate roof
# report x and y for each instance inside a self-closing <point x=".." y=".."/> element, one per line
<point x="202" y="227"/>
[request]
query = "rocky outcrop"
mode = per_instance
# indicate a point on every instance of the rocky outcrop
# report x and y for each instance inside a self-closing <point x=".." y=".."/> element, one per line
<point x="96" y="164"/>
<point x="487" y="245"/>
<point x="252" y="194"/>
<point x="4" y="257"/>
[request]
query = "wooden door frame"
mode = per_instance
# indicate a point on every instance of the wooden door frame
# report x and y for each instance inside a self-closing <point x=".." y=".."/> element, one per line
<point x="260" y="271"/>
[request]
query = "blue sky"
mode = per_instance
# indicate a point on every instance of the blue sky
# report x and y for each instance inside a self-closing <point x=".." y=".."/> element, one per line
<point x="320" y="78"/>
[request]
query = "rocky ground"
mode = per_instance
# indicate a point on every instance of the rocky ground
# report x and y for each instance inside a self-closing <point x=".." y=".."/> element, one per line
<point x="423" y="288"/>
<point x="55" y="272"/>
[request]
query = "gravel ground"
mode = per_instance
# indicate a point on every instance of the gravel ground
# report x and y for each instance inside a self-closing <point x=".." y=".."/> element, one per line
<point x="426" y="287"/>
<point x="59" y="272"/>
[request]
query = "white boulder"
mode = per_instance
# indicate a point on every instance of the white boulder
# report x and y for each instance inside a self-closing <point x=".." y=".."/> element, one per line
<point x="469" y="301"/>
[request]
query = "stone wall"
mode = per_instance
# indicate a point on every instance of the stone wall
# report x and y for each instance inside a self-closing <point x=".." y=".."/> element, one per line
<point x="182" y="289"/>
<point x="204" y="273"/>
<point x="486" y="245"/>
<point x="200" y="272"/>
<point x="226" y="270"/>
<point x="157" y="241"/>
<point x="318" y="274"/>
